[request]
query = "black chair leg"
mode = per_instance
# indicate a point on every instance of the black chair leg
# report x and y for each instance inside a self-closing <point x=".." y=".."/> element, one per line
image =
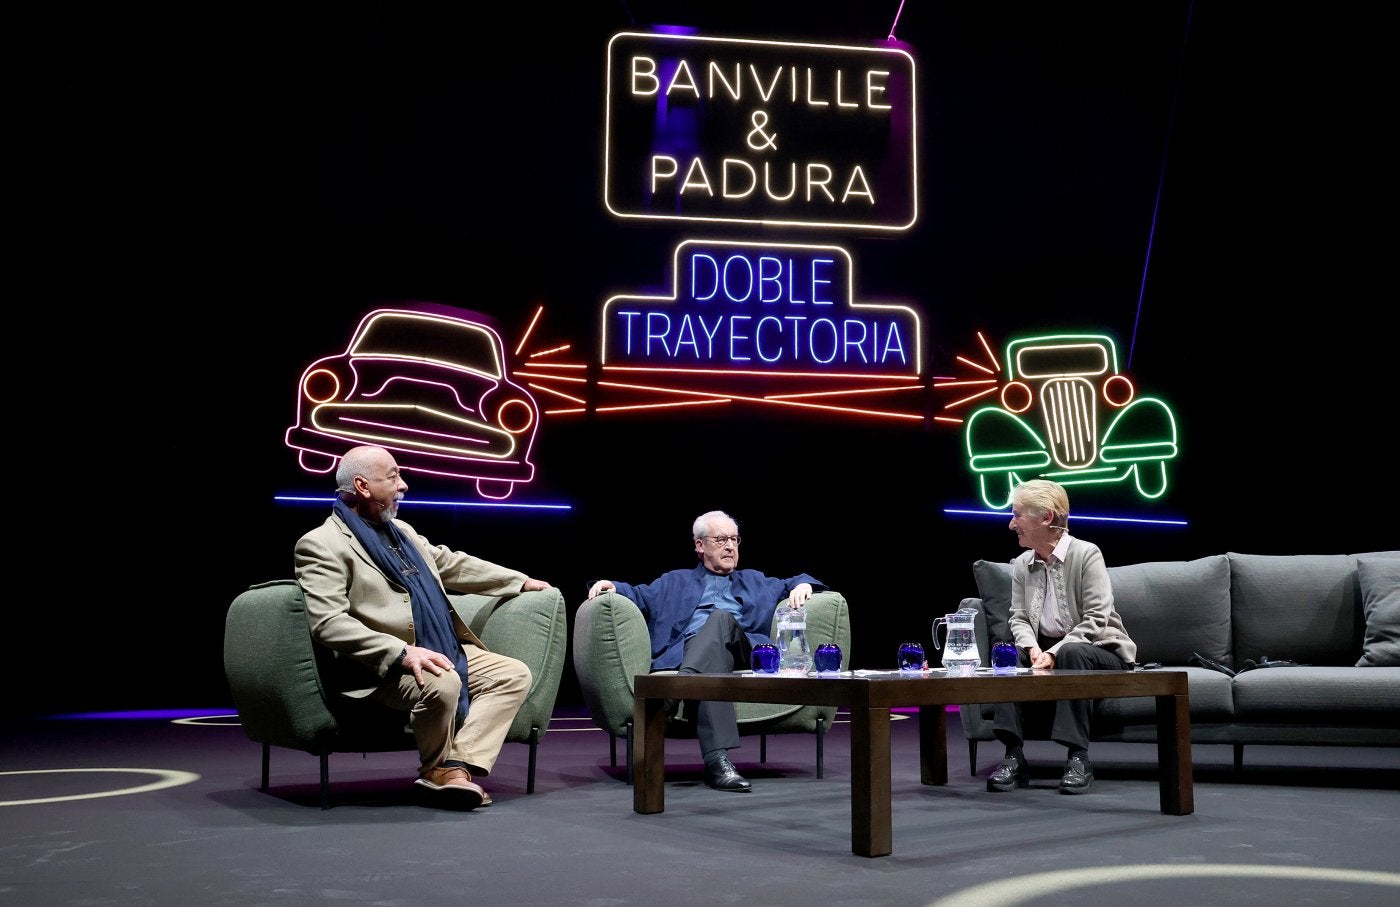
<point x="534" y="747"/>
<point x="267" y="747"/>
<point x="325" y="781"/>
<point x="972" y="757"/>
<point x="629" y="753"/>
<point x="821" y="747"/>
<point x="762" y="747"/>
<point x="612" y="750"/>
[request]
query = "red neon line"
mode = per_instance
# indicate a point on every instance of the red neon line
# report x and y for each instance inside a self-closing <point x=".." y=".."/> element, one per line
<point x="550" y="352"/>
<point x="980" y="368"/>
<point x="664" y="390"/>
<point x="990" y="390"/>
<point x="871" y="390"/>
<point x="973" y="382"/>
<point x="990" y="355"/>
<point x="764" y="400"/>
<point x="530" y="328"/>
<point x="615" y="409"/>
<point x="762" y="373"/>
<point x="548" y="390"/>
<point x="839" y="409"/>
<point x="523" y="374"/>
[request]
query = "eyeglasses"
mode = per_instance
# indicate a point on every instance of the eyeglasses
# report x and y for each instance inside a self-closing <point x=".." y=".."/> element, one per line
<point x="408" y="569"/>
<point x="722" y="540"/>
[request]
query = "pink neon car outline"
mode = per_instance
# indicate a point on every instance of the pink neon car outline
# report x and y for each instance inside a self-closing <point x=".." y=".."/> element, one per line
<point x="431" y="385"/>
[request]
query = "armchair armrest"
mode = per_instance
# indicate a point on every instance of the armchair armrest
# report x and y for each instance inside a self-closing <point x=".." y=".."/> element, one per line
<point x="611" y="646"/>
<point x="529" y="626"/>
<point x="828" y="621"/>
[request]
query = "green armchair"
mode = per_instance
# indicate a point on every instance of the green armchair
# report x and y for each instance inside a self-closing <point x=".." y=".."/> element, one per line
<point x="612" y="646"/>
<point x="274" y="674"/>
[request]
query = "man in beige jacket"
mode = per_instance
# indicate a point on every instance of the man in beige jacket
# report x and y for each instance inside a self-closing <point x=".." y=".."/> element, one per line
<point x="376" y="597"/>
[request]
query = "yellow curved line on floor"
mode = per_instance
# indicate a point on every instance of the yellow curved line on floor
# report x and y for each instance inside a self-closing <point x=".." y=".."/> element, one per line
<point x="168" y="778"/>
<point x="1034" y="887"/>
<point x="208" y="721"/>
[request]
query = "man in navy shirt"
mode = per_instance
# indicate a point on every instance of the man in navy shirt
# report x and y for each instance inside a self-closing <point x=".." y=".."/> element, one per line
<point x="707" y="619"/>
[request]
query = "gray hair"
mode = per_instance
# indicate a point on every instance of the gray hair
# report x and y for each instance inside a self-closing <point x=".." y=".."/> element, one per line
<point x="701" y="527"/>
<point x="358" y="461"/>
<point x="1041" y="496"/>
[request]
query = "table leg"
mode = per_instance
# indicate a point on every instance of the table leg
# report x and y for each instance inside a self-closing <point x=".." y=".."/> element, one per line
<point x="1174" y="755"/>
<point x="871" y="832"/>
<point x="933" y="744"/>
<point x="649" y="755"/>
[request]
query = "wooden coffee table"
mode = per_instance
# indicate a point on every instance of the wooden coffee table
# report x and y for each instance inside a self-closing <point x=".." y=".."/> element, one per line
<point x="869" y="700"/>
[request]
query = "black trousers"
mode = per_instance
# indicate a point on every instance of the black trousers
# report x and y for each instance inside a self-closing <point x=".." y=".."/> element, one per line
<point x="1065" y="721"/>
<point x="719" y="646"/>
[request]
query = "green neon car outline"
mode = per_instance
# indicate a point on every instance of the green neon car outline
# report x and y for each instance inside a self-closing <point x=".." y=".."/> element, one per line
<point x="1004" y="448"/>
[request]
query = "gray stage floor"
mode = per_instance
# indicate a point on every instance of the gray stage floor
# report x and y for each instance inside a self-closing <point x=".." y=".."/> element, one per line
<point x="155" y="811"/>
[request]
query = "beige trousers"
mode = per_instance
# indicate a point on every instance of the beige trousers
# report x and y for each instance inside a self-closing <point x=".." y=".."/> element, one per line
<point x="497" y="684"/>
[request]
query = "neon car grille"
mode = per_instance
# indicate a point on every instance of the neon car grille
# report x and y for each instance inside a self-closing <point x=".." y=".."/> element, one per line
<point x="1071" y="421"/>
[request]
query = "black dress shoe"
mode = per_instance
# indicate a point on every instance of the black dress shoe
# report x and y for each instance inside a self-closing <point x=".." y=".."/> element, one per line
<point x="1078" y="776"/>
<point x="1011" y="774"/>
<point x="721" y="775"/>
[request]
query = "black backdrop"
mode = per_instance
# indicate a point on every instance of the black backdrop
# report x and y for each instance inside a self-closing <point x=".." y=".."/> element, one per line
<point x="211" y="206"/>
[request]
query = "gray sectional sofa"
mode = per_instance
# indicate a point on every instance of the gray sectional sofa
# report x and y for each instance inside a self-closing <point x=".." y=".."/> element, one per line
<point x="1336" y="616"/>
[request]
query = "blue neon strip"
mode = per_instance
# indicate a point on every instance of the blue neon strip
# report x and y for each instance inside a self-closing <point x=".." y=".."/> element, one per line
<point x="145" y="714"/>
<point x="1006" y="515"/>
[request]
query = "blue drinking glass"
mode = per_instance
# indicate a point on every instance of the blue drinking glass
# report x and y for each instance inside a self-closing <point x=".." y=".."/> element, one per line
<point x="827" y="658"/>
<point x="765" y="658"/>
<point x="911" y="657"/>
<point x="1004" y="658"/>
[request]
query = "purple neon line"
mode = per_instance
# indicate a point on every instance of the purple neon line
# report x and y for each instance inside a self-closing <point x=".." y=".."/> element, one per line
<point x="142" y="714"/>
<point x="895" y="23"/>
<point x="1161" y="178"/>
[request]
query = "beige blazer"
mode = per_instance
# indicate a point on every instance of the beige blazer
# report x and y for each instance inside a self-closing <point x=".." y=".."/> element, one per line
<point x="363" y="616"/>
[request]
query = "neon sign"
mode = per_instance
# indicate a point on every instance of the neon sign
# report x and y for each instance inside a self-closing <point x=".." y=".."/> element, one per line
<point x="765" y="132"/>
<point x="1062" y="411"/>
<point x="429" y="383"/>
<point x="742" y="314"/>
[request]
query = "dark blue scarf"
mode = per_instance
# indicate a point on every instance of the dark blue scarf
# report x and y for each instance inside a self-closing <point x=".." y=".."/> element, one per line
<point x="400" y="561"/>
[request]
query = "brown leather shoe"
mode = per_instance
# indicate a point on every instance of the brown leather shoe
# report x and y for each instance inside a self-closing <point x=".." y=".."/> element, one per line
<point x="453" y="787"/>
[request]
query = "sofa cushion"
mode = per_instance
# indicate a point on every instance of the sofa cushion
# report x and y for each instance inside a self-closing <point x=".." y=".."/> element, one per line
<point x="1319" y="696"/>
<point x="994" y="587"/>
<point x="1299" y="607"/>
<point x="1211" y="703"/>
<point x="1378" y="576"/>
<point x="1174" y="608"/>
